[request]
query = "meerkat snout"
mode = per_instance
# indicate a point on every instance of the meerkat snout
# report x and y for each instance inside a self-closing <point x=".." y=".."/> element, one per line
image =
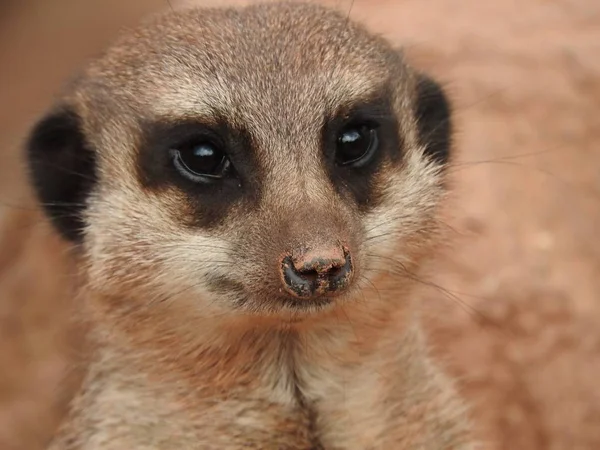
<point x="321" y="271"/>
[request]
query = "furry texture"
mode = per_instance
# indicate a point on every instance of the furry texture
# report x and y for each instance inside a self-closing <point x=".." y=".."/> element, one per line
<point x="183" y="362"/>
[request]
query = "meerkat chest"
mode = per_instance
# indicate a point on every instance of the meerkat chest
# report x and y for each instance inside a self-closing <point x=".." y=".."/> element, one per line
<point x="345" y="405"/>
<point x="172" y="416"/>
<point x="317" y="412"/>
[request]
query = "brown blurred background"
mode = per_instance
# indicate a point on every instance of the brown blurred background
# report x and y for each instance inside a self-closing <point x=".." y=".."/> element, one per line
<point x="516" y="314"/>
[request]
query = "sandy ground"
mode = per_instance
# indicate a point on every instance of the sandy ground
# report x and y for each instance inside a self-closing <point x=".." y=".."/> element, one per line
<point x="513" y="304"/>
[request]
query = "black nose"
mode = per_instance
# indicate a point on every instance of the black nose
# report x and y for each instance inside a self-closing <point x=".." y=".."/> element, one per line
<point x="317" y="272"/>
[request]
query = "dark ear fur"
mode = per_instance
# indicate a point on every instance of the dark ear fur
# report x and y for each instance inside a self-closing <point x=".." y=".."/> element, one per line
<point x="62" y="169"/>
<point x="433" y="112"/>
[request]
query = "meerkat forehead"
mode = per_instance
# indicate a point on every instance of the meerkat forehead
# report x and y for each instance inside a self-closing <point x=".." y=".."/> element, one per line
<point x="270" y="64"/>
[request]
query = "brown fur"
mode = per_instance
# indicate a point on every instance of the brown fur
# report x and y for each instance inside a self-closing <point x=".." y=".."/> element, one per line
<point x="176" y="366"/>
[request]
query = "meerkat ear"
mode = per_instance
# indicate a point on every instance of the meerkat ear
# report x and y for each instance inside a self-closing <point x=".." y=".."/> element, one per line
<point x="62" y="170"/>
<point x="434" y="119"/>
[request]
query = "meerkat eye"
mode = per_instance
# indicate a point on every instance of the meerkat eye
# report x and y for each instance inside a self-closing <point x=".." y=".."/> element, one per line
<point x="356" y="145"/>
<point x="201" y="161"/>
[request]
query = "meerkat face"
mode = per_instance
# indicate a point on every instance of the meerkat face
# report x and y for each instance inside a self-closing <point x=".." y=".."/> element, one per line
<point x="264" y="160"/>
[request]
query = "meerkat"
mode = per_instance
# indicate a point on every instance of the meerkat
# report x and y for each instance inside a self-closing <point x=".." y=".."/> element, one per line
<point x="241" y="187"/>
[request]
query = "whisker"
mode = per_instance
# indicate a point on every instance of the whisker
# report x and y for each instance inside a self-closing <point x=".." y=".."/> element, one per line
<point x="373" y="286"/>
<point x="400" y="269"/>
<point x="350" y="10"/>
<point x="569" y="184"/>
<point x="350" y="323"/>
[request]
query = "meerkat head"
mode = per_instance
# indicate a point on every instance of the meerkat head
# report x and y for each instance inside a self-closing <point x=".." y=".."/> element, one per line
<point x="264" y="160"/>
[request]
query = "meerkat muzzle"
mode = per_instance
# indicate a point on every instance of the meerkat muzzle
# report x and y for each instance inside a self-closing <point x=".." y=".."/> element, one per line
<point x="317" y="272"/>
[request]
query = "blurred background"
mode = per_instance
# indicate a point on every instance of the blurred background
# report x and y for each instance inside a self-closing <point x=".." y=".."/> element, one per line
<point x="513" y="309"/>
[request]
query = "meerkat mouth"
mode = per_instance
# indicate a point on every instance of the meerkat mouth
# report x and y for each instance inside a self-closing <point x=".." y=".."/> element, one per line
<point x="315" y="304"/>
<point x="290" y="308"/>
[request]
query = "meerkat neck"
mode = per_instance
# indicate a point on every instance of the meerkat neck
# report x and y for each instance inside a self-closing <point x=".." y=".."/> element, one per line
<point x="159" y="331"/>
<point x="159" y="340"/>
<point x="321" y="376"/>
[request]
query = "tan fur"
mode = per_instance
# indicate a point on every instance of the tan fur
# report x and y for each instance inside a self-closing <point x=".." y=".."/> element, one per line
<point x="176" y="367"/>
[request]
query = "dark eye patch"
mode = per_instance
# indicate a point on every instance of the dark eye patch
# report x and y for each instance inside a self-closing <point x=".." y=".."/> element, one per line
<point x="161" y="166"/>
<point x="356" y="139"/>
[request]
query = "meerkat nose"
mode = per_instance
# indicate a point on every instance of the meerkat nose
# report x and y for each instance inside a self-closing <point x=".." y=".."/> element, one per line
<point x="317" y="272"/>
